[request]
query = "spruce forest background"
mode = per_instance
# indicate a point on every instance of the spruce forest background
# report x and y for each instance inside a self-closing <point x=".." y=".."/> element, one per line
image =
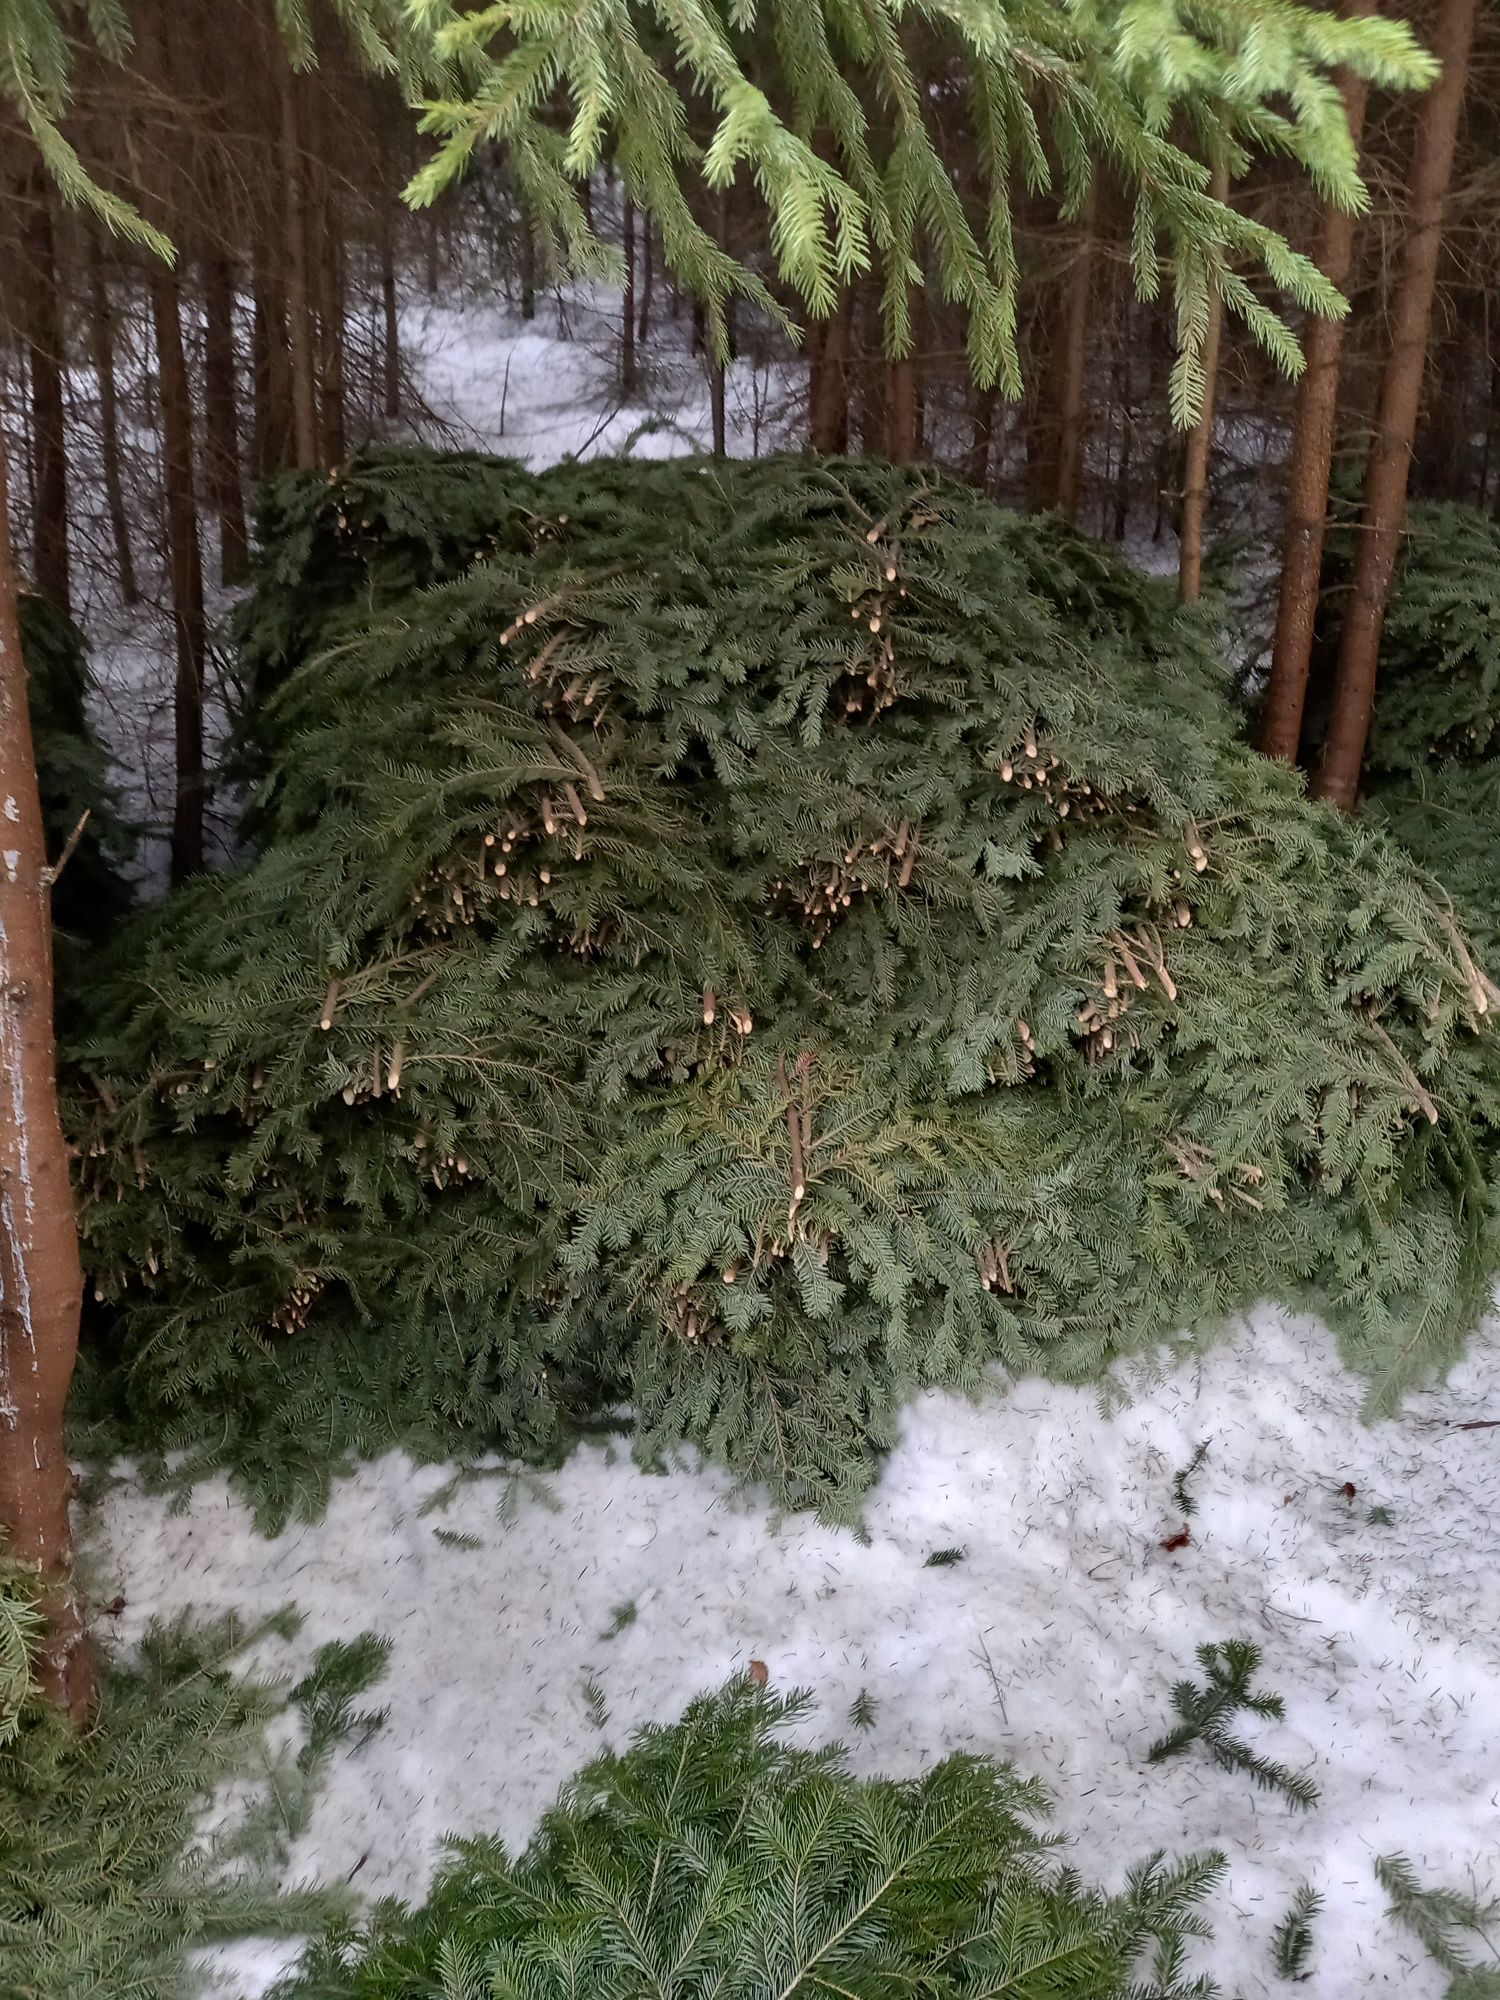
<point x="739" y="716"/>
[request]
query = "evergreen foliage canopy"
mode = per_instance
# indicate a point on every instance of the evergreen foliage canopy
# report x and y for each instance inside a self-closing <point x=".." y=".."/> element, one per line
<point x="713" y="1857"/>
<point x="832" y="112"/>
<point x="762" y="939"/>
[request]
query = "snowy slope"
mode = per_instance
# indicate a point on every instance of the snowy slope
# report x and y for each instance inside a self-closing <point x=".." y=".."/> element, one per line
<point x="1053" y="1642"/>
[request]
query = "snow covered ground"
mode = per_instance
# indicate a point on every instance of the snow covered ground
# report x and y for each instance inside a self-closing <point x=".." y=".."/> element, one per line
<point x="1361" y="1561"/>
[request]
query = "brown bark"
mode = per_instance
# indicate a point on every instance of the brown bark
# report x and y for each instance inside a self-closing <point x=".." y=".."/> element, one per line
<point x="901" y="425"/>
<point x="185" y="567"/>
<point x="44" y="348"/>
<point x="1199" y="446"/>
<point x="302" y="329"/>
<point x="1073" y="409"/>
<point x="1307" y="474"/>
<point x="1389" y="463"/>
<point x="102" y="342"/>
<point x="330" y="267"/>
<point x="221" y="416"/>
<point x="271" y="447"/>
<point x="40" y="1280"/>
<point x="828" y="377"/>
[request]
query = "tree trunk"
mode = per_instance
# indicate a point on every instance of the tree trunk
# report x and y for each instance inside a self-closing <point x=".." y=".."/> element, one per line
<point x="627" y="322"/>
<point x="221" y="416"/>
<point x="1389" y="462"/>
<point x="716" y="406"/>
<point x="901" y="441"/>
<point x="391" y="346"/>
<point x="528" y="269"/>
<point x="1307" y="473"/>
<point x="330" y="271"/>
<point x="977" y="470"/>
<point x="102" y="342"/>
<point x="302" y="329"/>
<point x="44" y="348"/>
<point x="40" y="1280"/>
<point x="1200" y="441"/>
<point x="648" y="278"/>
<point x="828" y="377"/>
<point x="186" y="571"/>
<point x="271" y="366"/>
<point x="1072" y="411"/>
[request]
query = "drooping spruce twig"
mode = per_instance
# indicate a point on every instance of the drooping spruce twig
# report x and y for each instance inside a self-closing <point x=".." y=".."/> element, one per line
<point x="1185" y="1501"/>
<point x="1291" y="1941"/>
<point x="1229" y="1666"/>
<point x="1440" y="1918"/>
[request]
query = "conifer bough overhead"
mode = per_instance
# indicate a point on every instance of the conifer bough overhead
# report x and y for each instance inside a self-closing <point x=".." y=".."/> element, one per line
<point x="756" y="941"/>
<point x="831" y="111"/>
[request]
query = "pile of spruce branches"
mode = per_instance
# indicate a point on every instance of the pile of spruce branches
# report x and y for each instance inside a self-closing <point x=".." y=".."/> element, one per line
<point x="734" y="944"/>
<point x="1434" y="765"/>
<point x="712" y="1856"/>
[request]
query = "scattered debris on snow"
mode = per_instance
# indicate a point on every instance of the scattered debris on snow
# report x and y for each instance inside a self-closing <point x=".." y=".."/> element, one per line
<point x="1063" y="1604"/>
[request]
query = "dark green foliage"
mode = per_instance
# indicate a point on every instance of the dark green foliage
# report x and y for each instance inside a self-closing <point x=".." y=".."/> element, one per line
<point x="944" y="1558"/>
<point x="1439" y="695"/>
<point x="1291" y="1942"/>
<point x="1185" y="1501"/>
<point x="1229" y="1667"/>
<point x="73" y="775"/>
<point x="1449" y="818"/>
<point x="104" y="1887"/>
<point x="862" y="1710"/>
<point x="711" y="1857"/>
<point x="1445" y="1920"/>
<point x="898" y="966"/>
<point x="341" y="1672"/>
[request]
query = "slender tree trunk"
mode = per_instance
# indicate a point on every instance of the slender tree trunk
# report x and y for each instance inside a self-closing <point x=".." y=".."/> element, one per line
<point x="528" y="269"/>
<point x="186" y="569"/>
<point x="41" y="1283"/>
<point x="901" y="424"/>
<point x="1124" y="463"/>
<point x="1389" y="462"/>
<point x="275" y="424"/>
<point x="828" y="377"/>
<point x="44" y="344"/>
<point x="648" y="278"/>
<point x="627" y="322"/>
<point x="102" y="340"/>
<point x="1307" y="475"/>
<point x="977" y="469"/>
<point x="716" y="406"/>
<point x="221" y="416"/>
<point x="302" y="329"/>
<point x="330" y="271"/>
<point x="1200" y="441"/>
<point x="391" y="345"/>
<point x="1073" y="414"/>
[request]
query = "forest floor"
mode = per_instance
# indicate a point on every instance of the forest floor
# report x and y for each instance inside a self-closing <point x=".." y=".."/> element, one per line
<point x="534" y="1623"/>
<point x="1028" y="1585"/>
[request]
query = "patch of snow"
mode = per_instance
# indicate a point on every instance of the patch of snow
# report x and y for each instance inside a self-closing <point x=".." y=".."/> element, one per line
<point x="1053" y="1642"/>
<point x="548" y="389"/>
